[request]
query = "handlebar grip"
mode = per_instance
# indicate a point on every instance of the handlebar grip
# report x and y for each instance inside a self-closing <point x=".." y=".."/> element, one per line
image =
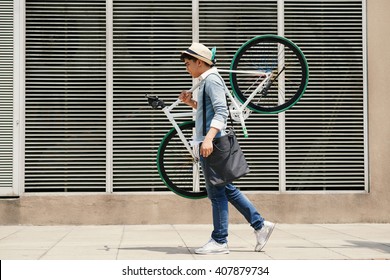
<point x="155" y="102"/>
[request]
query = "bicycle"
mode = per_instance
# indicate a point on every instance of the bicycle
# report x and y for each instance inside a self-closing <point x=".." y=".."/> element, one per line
<point x="268" y="74"/>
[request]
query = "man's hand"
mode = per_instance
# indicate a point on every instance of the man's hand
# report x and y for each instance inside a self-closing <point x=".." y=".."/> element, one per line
<point x="206" y="148"/>
<point x="207" y="145"/>
<point x="185" y="97"/>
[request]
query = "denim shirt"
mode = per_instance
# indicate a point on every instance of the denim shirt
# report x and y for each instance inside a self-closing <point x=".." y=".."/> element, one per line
<point x="216" y="108"/>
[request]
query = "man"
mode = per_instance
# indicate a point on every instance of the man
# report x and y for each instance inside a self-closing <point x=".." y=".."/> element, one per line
<point x="199" y="62"/>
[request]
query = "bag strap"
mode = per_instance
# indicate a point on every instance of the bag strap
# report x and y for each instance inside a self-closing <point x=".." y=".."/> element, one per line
<point x="204" y="110"/>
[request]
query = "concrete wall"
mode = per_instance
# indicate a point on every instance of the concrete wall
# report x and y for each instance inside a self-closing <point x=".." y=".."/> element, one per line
<point x="284" y="208"/>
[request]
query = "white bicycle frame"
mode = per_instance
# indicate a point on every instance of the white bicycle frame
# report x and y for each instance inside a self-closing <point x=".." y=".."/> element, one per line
<point x="238" y="106"/>
<point x="237" y="109"/>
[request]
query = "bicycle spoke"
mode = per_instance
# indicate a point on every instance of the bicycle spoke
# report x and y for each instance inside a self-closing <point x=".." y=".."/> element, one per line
<point x="276" y="55"/>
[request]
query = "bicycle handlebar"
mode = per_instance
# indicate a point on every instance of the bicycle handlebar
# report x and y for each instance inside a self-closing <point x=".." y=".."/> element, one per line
<point x="155" y="102"/>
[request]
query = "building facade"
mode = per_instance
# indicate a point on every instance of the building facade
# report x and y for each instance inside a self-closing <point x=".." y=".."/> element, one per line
<point x="79" y="142"/>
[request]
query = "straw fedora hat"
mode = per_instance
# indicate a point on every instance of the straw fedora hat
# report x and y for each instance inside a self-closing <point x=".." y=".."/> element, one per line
<point x="201" y="52"/>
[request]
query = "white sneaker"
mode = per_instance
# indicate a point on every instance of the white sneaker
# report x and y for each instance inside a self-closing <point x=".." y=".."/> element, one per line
<point x="213" y="248"/>
<point x="263" y="234"/>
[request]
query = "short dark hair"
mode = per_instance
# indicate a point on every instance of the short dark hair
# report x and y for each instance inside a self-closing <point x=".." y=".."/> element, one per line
<point x="187" y="56"/>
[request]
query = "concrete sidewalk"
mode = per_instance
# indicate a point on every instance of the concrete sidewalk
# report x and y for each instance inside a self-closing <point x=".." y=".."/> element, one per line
<point x="157" y="242"/>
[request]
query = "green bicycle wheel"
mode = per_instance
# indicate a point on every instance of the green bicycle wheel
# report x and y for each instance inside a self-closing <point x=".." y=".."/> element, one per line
<point x="176" y="166"/>
<point x="277" y="56"/>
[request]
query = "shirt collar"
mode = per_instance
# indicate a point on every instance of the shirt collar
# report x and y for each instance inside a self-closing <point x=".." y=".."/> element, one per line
<point x="208" y="72"/>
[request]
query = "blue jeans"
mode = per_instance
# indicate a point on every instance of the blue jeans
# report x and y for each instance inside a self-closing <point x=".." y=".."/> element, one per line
<point x="220" y="196"/>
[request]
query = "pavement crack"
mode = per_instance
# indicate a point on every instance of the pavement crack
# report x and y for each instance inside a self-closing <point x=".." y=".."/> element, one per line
<point x="182" y="239"/>
<point x="120" y="243"/>
<point x="56" y="243"/>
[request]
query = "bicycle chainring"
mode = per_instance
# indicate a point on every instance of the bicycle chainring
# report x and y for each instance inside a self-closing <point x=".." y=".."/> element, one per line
<point x="236" y="115"/>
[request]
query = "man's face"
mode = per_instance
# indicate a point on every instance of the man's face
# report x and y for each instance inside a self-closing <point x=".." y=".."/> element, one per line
<point x="193" y="67"/>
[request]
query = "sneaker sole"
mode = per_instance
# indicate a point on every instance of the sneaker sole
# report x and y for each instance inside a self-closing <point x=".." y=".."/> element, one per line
<point x="258" y="246"/>
<point x="213" y="253"/>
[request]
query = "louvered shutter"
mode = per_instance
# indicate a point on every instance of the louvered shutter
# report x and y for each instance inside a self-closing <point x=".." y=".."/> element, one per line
<point x="325" y="132"/>
<point x="65" y="96"/>
<point x="6" y="95"/>
<point x="227" y="25"/>
<point x="66" y="71"/>
<point x="148" y="39"/>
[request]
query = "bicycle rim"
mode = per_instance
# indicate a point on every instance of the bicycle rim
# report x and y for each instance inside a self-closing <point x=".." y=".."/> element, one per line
<point x="176" y="165"/>
<point x="278" y="56"/>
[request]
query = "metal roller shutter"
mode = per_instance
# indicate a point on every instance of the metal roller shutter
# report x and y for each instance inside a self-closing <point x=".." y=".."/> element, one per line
<point x="6" y="94"/>
<point x="148" y="39"/>
<point x="227" y="25"/>
<point x="325" y="132"/>
<point x="65" y="96"/>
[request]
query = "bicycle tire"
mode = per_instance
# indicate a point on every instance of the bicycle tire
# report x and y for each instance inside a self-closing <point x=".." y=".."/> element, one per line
<point x="271" y="54"/>
<point x="176" y="165"/>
